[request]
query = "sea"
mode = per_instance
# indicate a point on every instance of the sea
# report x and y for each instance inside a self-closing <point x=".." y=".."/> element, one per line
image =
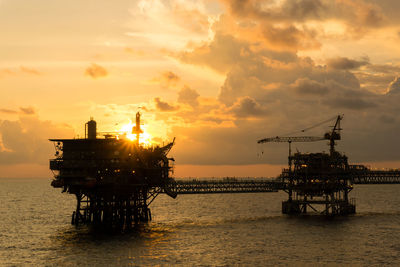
<point x="199" y="230"/>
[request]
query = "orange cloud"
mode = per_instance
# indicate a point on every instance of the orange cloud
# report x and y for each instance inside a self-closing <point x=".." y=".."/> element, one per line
<point x="96" y="71"/>
<point x="167" y="79"/>
<point x="188" y="96"/>
<point x="27" y="110"/>
<point x="26" y="140"/>
<point x="8" y="111"/>
<point x="164" y="106"/>
<point x="29" y="70"/>
<point x="23" y="111"/>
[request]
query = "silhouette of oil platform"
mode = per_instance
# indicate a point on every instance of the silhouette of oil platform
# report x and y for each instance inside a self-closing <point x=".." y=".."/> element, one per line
<point x="115" y="179"/>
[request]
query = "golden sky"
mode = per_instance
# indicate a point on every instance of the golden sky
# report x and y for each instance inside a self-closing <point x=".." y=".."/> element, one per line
<point x="216" y="74"/>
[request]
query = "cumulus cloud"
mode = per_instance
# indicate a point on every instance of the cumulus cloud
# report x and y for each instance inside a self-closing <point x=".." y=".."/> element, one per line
<point x="166" y="79"/>
<point x="26" y="140"/>
<point x="221" y="54"/>
<point x="188" y="96"/>
<point x="164" y="106"/>
<point x="291" y="37"/>
<point x="247" y="107"/>
<point x="310" y="87"/>
<point x="343" y="63"/>
<point x="96" y="71"/>
<point x="170" y="77"/>
<point x="269" y="89"/>
<point x="360" y="12"/>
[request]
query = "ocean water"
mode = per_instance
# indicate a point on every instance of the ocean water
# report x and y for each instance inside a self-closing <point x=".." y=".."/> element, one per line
<point x="199" y="230"/>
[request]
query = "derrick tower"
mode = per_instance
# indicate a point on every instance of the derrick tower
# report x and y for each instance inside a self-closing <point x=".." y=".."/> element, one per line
<point x="317" y="181"/>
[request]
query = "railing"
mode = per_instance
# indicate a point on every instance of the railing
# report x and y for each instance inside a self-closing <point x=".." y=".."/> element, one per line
<point x="226" y="186"/>
<point x="376" y="177"/>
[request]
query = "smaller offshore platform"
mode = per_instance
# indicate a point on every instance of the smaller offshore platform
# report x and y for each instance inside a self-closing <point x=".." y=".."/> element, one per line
<point x="113" y="178"/>
<point x="320" y="182"/>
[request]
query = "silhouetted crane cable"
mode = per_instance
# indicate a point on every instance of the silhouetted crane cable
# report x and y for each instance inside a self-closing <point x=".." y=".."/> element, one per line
<point x="311" y="127"/>
<point x="331" y="136"/>
<point x="291" y="139"/>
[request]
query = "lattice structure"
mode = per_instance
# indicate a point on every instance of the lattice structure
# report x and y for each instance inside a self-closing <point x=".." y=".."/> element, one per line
<point x="318" y="180"/>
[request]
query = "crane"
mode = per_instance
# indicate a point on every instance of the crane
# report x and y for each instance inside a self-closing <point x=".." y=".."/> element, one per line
<point x="331" y="136"/>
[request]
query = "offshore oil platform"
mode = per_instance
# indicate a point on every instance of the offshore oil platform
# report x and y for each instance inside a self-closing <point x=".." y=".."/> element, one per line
<point x="317" y="179"/>
<point x="115" y="179"/>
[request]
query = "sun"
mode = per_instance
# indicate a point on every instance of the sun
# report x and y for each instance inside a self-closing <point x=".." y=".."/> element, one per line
<point x="126" y="132"/>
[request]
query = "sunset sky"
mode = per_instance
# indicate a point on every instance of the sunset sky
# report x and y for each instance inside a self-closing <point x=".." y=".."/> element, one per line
<point x="217" y="75"/>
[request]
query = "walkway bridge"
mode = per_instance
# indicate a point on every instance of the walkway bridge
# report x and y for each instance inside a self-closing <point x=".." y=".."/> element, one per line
<point x="186" y="186"/>
<point x="368" y="176"/>
<point x="227" y="185"/>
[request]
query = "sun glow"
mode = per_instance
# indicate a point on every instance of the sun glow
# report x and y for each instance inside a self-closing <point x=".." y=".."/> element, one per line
<point x="126" y="132"/>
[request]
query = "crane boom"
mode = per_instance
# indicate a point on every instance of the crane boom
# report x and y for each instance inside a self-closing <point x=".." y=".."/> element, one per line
<point x="331" y="136"/>
<point x="291" y="139"/>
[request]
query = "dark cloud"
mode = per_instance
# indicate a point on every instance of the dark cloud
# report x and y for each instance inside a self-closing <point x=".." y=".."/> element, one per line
<point x="358" y="12"/>
<point x="291" y="37"/>
<point x="96" y="71"/>
<point x="309" y="87"/>
<point x="188" y="96"/>
<point x="371" y="15"/>
<point x="164" y="106"/>
<point x="286" y="22"/>
<point x="247" y="107"/>
<point x="349" y="103"/>
<point x="286" y="96"/>
<point x="269" y="90"/>
<point x="302" y="9"/>
<point x="389" y="119"/>
<point x="343" y="63"/>
<point x="384" y="68"/>
<point x="296" y="10"/>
